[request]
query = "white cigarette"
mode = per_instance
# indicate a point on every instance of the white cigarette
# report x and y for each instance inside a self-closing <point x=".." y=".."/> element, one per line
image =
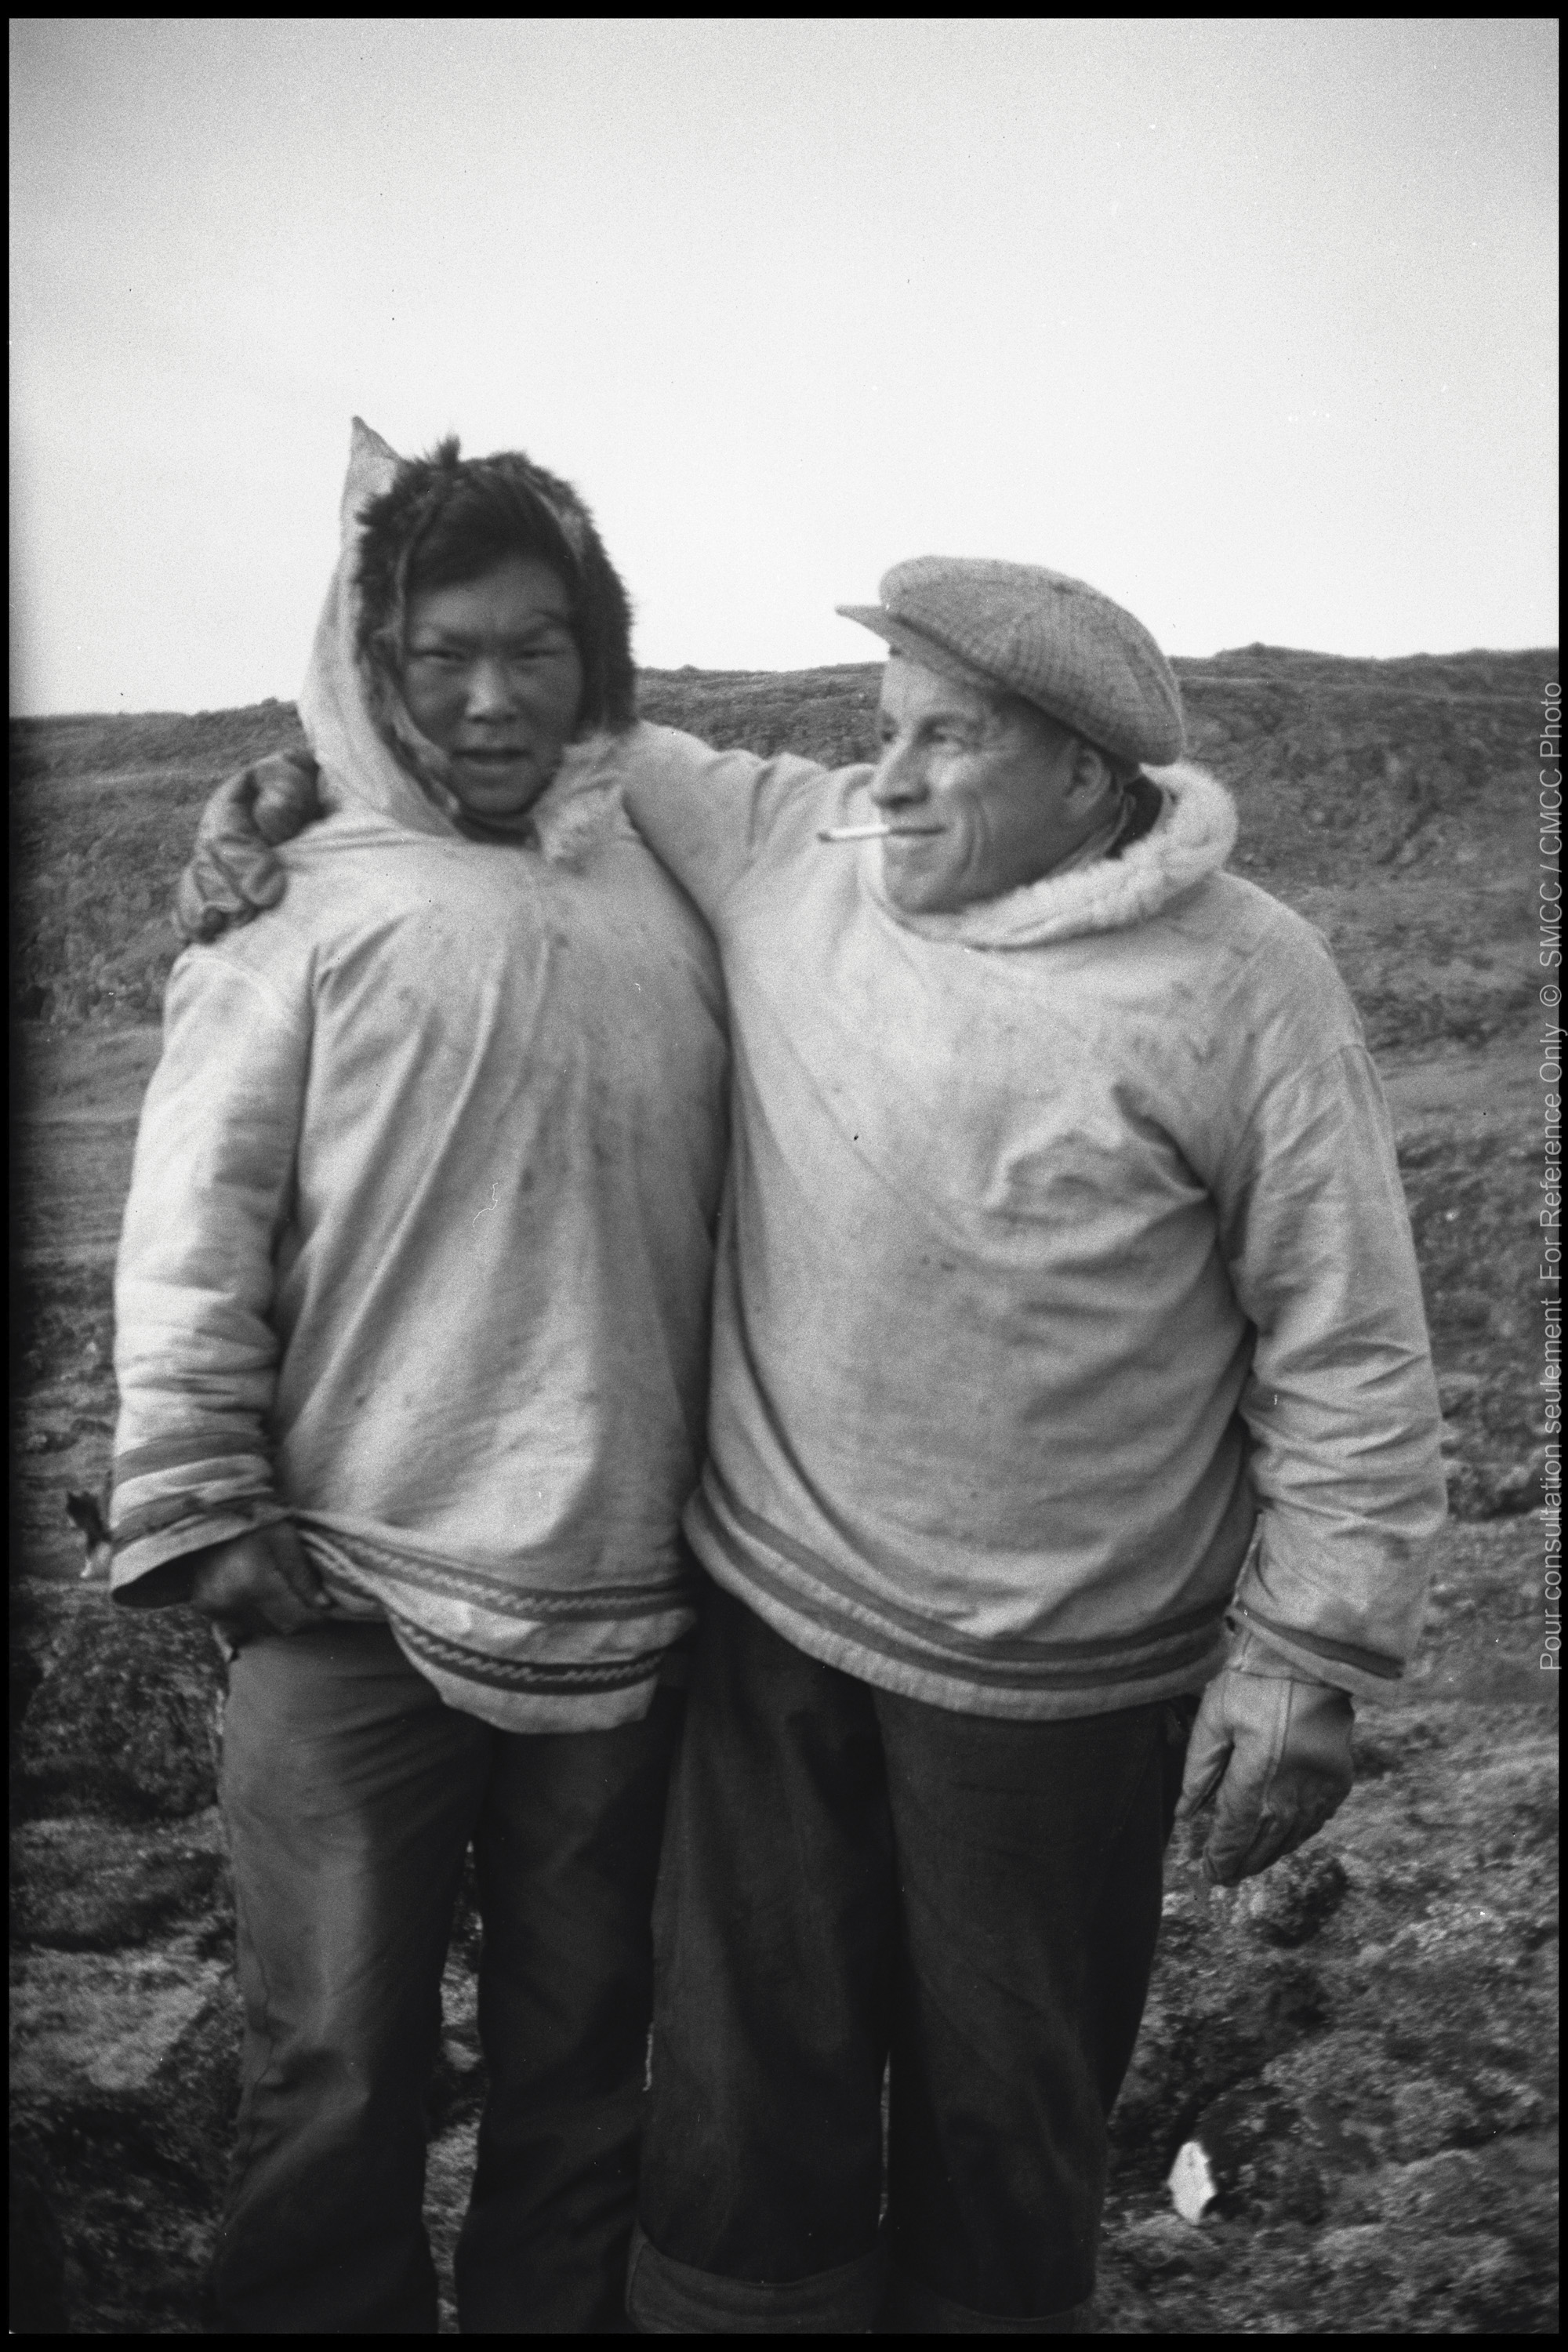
<point x="875" y="832"/>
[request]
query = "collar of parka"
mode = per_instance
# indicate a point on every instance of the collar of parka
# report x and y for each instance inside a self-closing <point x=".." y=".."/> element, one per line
<point x="1191" y="838"/>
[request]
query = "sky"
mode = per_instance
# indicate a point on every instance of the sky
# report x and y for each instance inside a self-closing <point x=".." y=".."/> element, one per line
<point x="1250" y="322"/>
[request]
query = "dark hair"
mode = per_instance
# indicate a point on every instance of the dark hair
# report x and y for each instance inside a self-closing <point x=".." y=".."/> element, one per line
<point x="448" y="519"/>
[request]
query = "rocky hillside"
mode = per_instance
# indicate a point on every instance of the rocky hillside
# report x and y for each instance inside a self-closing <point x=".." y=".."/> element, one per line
<point x="1362" y="2042"/>
<point x="1391" y="801"/>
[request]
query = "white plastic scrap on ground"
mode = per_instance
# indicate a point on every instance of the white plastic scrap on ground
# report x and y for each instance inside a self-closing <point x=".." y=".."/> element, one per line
<point x="1192" y="2182"/>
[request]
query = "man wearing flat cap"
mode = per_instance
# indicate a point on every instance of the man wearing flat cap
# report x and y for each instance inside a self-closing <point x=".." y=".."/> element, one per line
<point x="1069" y="1362"/>
<point x="1066" y="1305"/>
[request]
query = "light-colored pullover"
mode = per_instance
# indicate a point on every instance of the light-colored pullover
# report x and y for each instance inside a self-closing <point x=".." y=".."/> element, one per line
<point x="418" y="1246"/>
<point x="1065" y="1288"/>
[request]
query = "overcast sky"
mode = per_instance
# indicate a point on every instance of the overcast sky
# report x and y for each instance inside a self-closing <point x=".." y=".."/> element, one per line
<point x="1250" y="322"/>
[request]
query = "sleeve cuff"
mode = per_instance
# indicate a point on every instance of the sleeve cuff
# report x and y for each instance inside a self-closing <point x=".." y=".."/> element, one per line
<point x="1264" y="1647"/>
<point x="145" y="1574"/>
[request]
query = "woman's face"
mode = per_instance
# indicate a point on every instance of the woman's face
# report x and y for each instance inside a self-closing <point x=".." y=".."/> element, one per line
<point x="491" y="673"/>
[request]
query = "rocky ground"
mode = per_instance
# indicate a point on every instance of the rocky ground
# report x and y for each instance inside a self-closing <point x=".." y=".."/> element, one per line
<point x="1362" y="2042"/>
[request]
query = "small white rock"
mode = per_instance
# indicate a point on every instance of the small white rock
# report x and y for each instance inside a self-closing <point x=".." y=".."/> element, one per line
<point x="1192" y="2182"/>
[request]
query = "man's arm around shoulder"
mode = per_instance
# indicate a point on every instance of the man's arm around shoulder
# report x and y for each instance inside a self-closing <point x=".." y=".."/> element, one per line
<point x="707" y="815"/>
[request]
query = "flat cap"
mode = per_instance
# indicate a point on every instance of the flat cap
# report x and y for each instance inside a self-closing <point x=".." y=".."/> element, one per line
<point x="1055" y="641"/>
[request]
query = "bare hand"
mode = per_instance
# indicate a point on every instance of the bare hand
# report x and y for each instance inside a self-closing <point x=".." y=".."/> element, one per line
<point x="258" y="1583"/>
<point x="232" y="874"/>
<point x="1272" y="1755"/>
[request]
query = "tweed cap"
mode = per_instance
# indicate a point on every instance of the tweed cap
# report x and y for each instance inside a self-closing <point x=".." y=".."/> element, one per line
<point x="1055" y="641"/>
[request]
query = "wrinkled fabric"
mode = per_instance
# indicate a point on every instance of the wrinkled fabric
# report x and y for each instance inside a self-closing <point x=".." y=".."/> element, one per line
<point x="978" y="1900"/>
<point x="351" y="1796"/>
<point x="418" y="1244"/>
<point x="1064" y="1252"/>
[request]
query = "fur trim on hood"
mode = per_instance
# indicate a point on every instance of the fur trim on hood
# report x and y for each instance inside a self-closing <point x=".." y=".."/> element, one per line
<point x="507" y="491"/>
<point x="374" y="761"/>
<point x="1191" y="838"/>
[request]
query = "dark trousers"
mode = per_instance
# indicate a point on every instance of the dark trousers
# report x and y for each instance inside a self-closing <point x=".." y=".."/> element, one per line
<point x="351" y="1794"/>
<point x="848" y="1875"/>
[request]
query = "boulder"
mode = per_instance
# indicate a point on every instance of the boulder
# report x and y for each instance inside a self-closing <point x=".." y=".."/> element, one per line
<point x="136" y="2053"/>
<point x="125" y="1718"/>
<point x="79" y="1883"/>
<point x="1289" y="1904"/>
<point x="1162" y="2248"/>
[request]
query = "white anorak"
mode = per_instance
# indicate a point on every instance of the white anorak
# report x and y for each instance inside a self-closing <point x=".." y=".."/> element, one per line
<point x="418" y="1247"/>
<point x="1066" y="1291"/>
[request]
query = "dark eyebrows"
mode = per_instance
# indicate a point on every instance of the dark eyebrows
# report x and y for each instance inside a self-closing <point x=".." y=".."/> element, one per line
<point x="929" y="720"/>
<point x="437" y="636"/>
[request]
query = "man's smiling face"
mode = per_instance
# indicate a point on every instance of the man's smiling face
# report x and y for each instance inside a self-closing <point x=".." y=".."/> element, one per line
<point x="491" y="673"/>
<point x="1013" y="792"/>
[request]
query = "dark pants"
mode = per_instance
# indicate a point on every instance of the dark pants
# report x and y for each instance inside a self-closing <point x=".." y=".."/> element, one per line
<point x="351" y="1795"/>
<point x="848" y="1875"/>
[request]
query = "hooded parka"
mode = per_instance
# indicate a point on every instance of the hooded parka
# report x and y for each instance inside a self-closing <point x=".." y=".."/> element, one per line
<point x="418" y="1251"/>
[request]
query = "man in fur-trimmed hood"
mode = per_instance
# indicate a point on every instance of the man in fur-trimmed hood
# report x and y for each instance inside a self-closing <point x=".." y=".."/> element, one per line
<point x="411" y="1342"/>
<point x="1066" y="1313"/>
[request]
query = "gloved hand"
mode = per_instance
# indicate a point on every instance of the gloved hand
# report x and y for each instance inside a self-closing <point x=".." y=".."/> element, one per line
<point x="232" y="874"/>
<point x="1271" y="1752"/>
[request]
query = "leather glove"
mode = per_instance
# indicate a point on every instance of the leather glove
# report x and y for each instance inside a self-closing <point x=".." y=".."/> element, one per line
<point x="232" y="874"/>
<point x="1271" y="1753"/>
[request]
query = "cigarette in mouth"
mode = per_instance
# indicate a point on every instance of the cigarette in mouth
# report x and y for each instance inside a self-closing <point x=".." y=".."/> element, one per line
<point x="875" y="832"/>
